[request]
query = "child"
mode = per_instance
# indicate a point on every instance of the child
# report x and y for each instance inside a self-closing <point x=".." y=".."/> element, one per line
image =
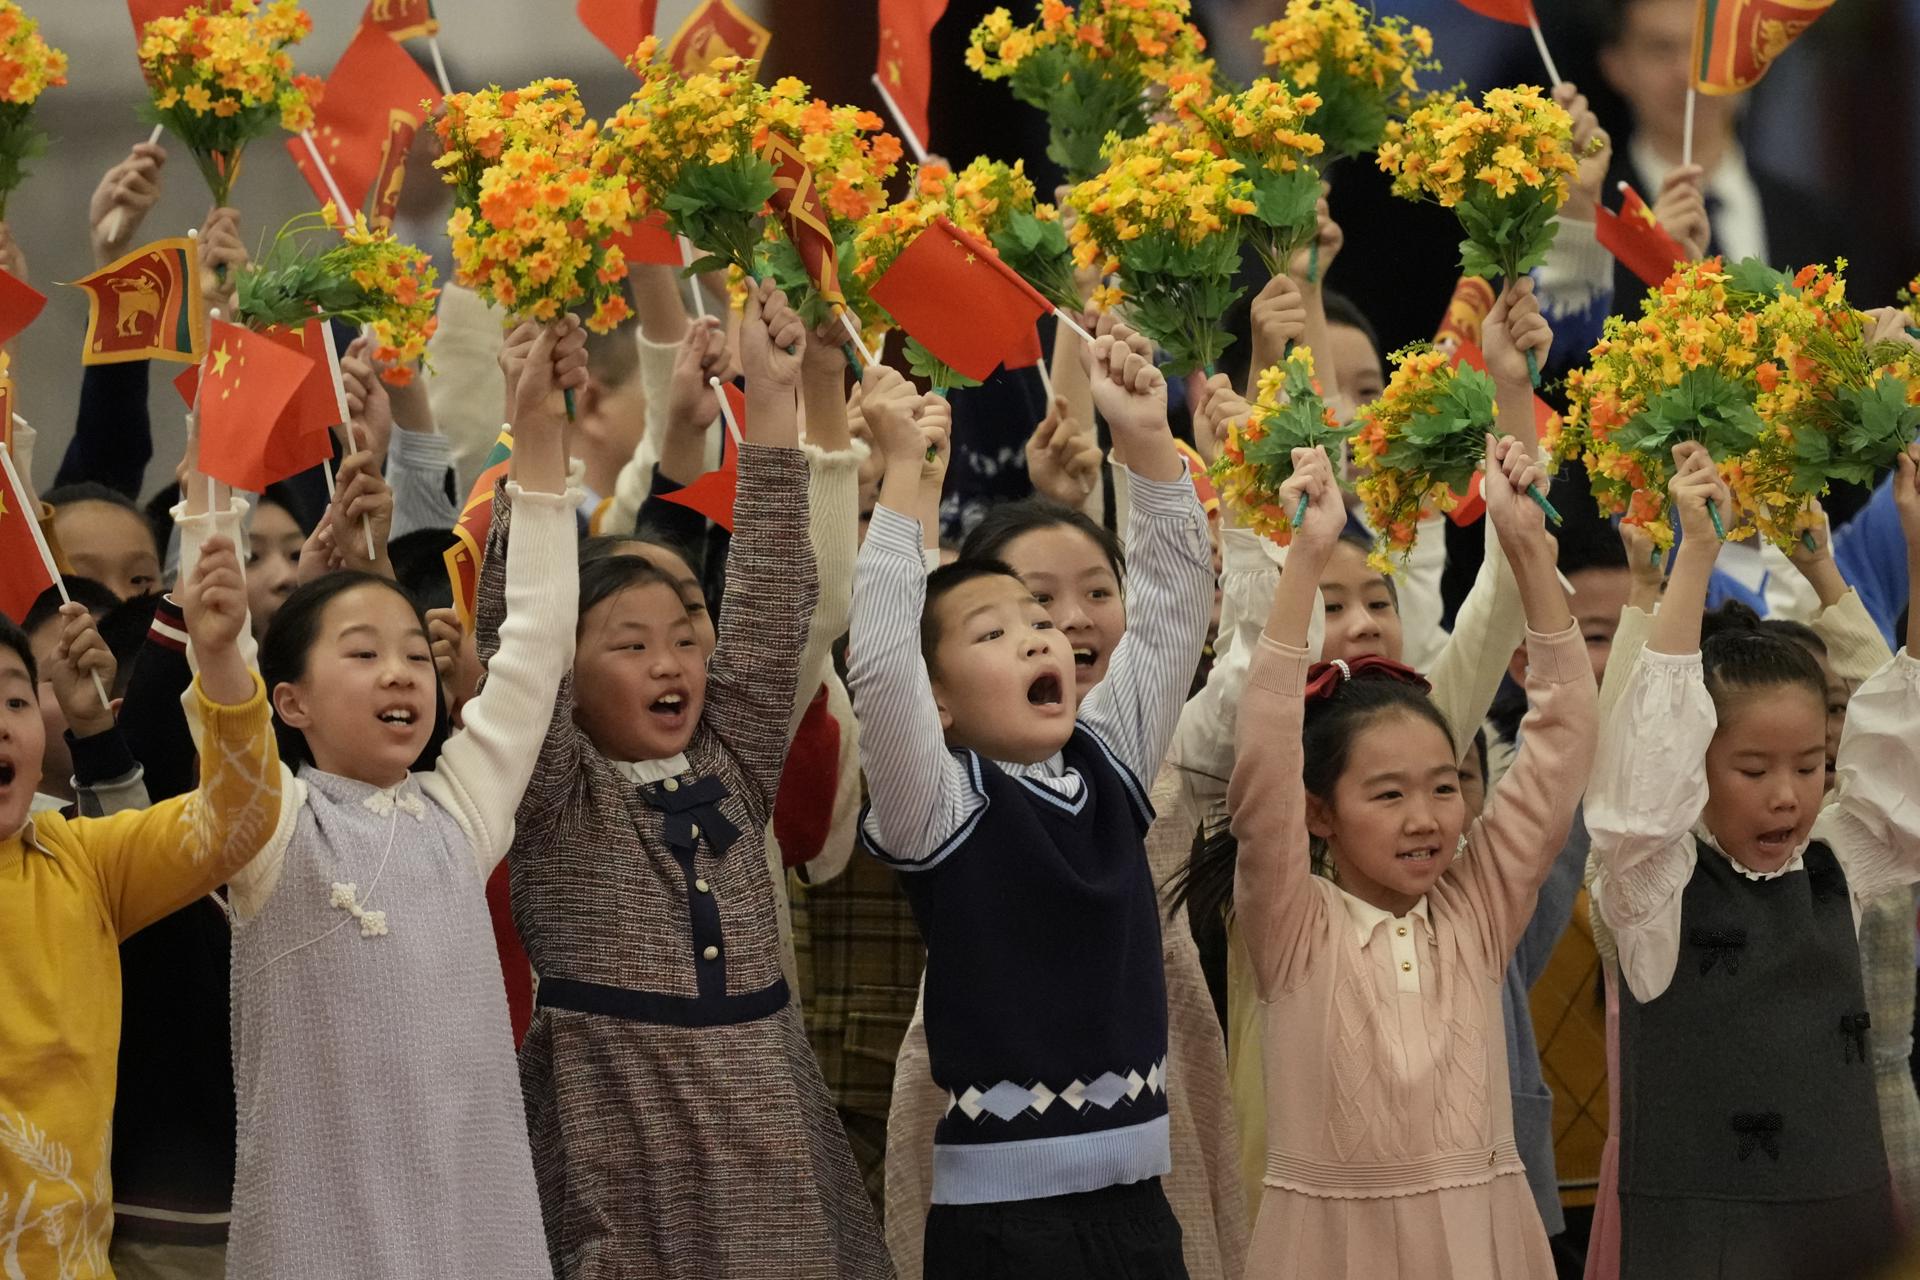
<point x="1391" y="1145"/>
<point x="103" y="536"/>
<point x="1016" y="811"/>
<point x="679" y="1123"/>
<point x="1734" y="897"/>
<point x="74" y="889"/>
<point x="379" y="1120"/>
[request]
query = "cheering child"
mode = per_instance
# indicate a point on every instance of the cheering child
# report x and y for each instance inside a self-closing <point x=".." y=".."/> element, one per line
<point x="379" y="1119"/>
<point x="680" y="1125"/>
<point x="1390" y="1144"/>
<point x="1016" y="810"/>
<point x="1750" y="1138"/>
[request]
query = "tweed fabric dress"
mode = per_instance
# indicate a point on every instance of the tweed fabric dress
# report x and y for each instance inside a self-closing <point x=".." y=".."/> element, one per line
<point x="379" y="1124"/>
<point x="698" y="1140"/>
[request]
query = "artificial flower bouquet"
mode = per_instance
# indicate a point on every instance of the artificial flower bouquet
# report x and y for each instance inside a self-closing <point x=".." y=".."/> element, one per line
<point x="1418" y="446"/>
<point x="29" y="66"/>
<point x="1362" y="70"/>
<point x="1264" y="128"/>
<point x="1090" y="66"/>
<point x="1257" y="457"/>
<point x="221" y="76"/>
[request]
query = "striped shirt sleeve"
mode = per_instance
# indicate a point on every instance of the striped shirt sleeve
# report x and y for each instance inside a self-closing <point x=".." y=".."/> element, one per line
<point x="419" y="466"/>
<point x="920" y="794"/>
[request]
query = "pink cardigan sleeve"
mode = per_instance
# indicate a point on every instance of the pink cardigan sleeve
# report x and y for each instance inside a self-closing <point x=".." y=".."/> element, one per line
<point x="1276" y="905"/>
<point x="1512" y="846"/>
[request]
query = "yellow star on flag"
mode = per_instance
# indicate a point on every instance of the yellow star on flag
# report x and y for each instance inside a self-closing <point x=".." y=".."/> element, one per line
<point x="3" y="505"/>
<point x="220" y="359"/>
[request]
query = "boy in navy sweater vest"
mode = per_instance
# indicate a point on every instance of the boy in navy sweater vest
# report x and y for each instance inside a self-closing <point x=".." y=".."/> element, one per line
<point x="1017" y="820"/>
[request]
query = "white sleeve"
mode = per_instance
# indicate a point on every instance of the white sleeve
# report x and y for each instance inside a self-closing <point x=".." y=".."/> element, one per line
<point x="1648" y="788"/>
<point x="1491" y="624"/>
<point x="1421" y="607"/>
<point x="1872" y="822"/>
<point x="484" y="768"/>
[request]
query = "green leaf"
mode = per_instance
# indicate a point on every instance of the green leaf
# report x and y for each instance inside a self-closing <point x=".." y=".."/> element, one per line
<point x="925" y="364"/>
<point x="1750" y="275"/>
<point x="1705" y="406"/>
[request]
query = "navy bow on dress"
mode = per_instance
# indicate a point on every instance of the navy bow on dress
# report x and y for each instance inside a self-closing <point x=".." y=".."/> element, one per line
<point x="692" y="813"/>
<point x="1757" y="1129"/>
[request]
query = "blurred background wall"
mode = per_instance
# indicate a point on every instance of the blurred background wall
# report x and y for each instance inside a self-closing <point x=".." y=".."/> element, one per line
<point x="1839" y="113"/>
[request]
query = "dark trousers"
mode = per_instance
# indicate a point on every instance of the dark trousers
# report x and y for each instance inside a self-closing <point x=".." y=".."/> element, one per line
<point x="1117" y="1233"/>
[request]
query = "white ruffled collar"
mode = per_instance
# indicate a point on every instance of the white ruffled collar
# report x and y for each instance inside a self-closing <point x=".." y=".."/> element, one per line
<point x="1796" y="863"/>
<point x="647" y="772"/>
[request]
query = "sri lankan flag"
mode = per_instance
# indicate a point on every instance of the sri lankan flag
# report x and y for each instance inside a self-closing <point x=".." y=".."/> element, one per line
<point x="1735" y="41"/>
<point x="715" y="29"/>
<point x="476" y="519"/>
<point x="797" y="201"/>
<point x="402" y="19"/>
<point x="146" y="306"/>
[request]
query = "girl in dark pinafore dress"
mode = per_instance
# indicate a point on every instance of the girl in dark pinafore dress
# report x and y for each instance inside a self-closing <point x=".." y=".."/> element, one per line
<point x="679" y="1122"/>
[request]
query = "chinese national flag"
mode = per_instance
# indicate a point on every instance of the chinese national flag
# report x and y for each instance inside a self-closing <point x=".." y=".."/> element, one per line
<point x="375" y="101"/>
<point x="712" y="494"/>
<point x="1473" y="503"/>
<point x="26" y="566"/>
<point x="715" y="29"/>
<point x="1735" y="41"/>
<point x="649" y="241"/>
<point x="1518" y="12"/>
<point x="313" y="408"/>
<point x="402" y="19"/>
<point x="146" y="306"/>
<point x="1634" y="237"/>
<point x="797" y="202"/>
<point x="905" y="64"/>
<point x="618" y="24"/>
<point x="20" y="304"/>
<point x="952" y="293"/>
<point x="144" y="11"/>
<point x="470" y="531"/>
<point x="244" y="391"/>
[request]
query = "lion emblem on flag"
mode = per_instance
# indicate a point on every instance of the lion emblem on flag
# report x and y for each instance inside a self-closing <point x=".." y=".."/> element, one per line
<point x="135" y="301"/>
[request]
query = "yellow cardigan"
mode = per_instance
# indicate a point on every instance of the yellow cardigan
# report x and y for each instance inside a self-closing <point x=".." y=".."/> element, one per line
<point x="70" y="891"/>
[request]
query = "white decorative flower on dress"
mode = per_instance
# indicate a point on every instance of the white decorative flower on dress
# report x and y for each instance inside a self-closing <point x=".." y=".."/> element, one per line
<point x="373" y="924"/>
<point x="401" y="797"/>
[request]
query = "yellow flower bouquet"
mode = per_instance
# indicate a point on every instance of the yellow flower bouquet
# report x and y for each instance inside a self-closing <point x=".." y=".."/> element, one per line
<point x="363" y="277"/>
<point x="997" y="200"/>
<point x="1089" y="66"/>
<point x="1264" y="128"/>
<point x="690" y="146"/>
<point x="1257" y="457"/>
<point x="221" y="76"/>
<point x="1419" y="444"/>
<point x="536" y="203"/>
<point x="29" y="66"/>
<point x="1166" y="215"/>
<point x="1361" y="69"/>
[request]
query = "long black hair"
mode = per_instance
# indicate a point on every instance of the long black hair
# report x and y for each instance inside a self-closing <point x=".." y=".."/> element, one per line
<point x="1740" y="654"/>
<point x="1003" y="524"/>
<point x="290" y="638"/>
<point x="1204" y="887"/>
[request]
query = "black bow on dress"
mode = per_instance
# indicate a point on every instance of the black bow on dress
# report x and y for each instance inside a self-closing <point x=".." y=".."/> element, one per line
<point x="1757" y="1129"/>
<point x="692" y="805"/>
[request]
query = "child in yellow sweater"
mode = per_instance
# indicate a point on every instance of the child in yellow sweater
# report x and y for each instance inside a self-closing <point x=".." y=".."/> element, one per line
<point x="71" y="890"/>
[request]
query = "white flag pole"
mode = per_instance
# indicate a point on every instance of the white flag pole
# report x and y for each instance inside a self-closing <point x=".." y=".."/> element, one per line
<point x="439" y="64"/>
<point x="1686" y="142"/>
<point x="726" y="410"/>
<point x="117" y="220"/>
<point x="326" y="176"/>
<point x="346" y="420"/>
<point x="46" y="558"/>
<point x="1540" y="43"/>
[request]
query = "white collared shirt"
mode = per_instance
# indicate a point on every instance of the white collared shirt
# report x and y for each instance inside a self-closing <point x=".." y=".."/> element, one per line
<point x="1367" y="919"/>
<point x="1739" y="224"/>
<point x="644" y="773"/>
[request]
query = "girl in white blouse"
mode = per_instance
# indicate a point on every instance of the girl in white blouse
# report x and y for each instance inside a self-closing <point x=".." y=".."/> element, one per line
<point x="1750" y="1141"/>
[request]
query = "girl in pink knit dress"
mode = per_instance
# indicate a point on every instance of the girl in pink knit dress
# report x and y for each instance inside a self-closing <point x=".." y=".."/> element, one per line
<point x="1390" y="1142"/>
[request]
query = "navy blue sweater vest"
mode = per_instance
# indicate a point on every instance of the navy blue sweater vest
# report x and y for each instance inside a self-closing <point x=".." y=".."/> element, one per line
<point x="1046" y="1002"/>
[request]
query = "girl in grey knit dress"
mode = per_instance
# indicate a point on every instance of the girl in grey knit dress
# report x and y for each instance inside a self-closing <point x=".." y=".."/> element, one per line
<point x="381" y="1133"/>
<point x="679" y="1122"/>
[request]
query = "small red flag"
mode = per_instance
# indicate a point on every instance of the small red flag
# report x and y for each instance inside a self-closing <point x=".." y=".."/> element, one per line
<point x="244" y="390"/>
<point x="809" y="782"/>
<point x="26" y="566"/>
<point x="952" y="293"/>
<point x="797" y="203"/>
<point x="905" y="62"/>
<point x="1518" y="12"/>
<point x="470" y="531"/>
<point x="20" y="305"/>
<point x="375" y="102"/>
<point x="1030" y="353"/>
<point x="313" y="408"/>
<point x="146" y="306"/>
<point x="1636" y="239"/>
<point x="6" y="414"/>
<point x="402" y="19"/>
<point x="712" y="494"/>
<point x="618" y="24"/>
<point x="650" y="242"/>
<point x="715" y="29"/>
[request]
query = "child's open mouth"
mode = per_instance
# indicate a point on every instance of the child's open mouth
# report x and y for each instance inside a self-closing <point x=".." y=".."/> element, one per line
<point x="401" y="716"/>
<point x="6" y="773"/>
<point x="1084" y="657"/>
<point x="1425" y="853"/>
<point x="670" y="708"/>
<point x="1044" y="691"/>
<point x="1776" y="841"/>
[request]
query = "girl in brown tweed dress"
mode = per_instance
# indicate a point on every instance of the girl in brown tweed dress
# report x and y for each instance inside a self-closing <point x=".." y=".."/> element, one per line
<point x="679" y="1123"/>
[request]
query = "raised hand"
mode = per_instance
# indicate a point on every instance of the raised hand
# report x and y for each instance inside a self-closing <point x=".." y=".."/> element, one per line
<point x="773" y="338"/>
<point x="934" y="417"/>
<point x="1681" y="208"/>
<point x="1697" y="492"/>
<point x="368" y="406"/>
<point x="1592" y="151"/>
<point x="1510" y="472"/>
<point x="1129" y="391"/>
<point x="1214" y="414"/>
<point x="319" y="555"/>
<point x="1315" y="535"/>
<point x="1309" y="266"/>
<point x="889" y="405"/>
<point x="702" y="354"/>
<point x="1513" y="329"/>
<point x="214" y="601"/>
<point x="122" y="201"/>
<point x="1063" y="459"/>
<point x="222" y="254"/>
<point x="556" y="362"/>
<point x="362" y="506"/>
<point x="82" y="665"/>
<point x="1647" y="567"/>
<point x="1279" y="316"/>
<point x="443" y="637"/>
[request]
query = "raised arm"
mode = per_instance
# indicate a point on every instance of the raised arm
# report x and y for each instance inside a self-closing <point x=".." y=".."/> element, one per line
<point x="1170" y="583"/>
<point x="920" y="795"/>
<point x="1491" y="624"/>
<point x="1278" y="910"/>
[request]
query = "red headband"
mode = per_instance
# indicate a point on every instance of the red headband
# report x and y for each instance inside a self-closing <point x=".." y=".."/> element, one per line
<point x="1325" y="678"/>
